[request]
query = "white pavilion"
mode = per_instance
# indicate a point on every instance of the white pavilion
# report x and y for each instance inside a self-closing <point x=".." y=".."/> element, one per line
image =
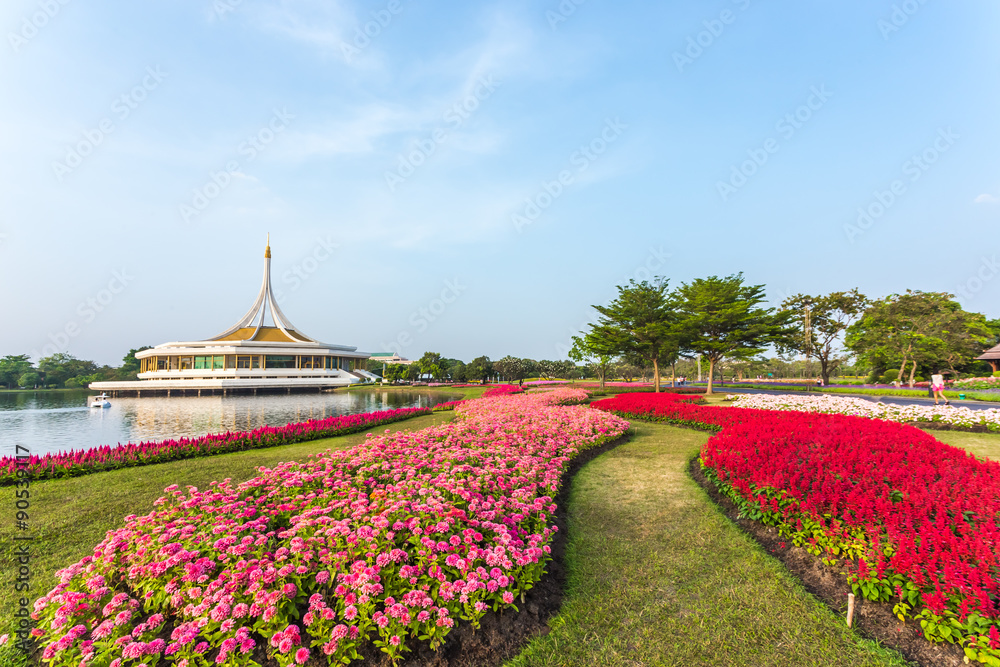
<point x="248" y="357"/>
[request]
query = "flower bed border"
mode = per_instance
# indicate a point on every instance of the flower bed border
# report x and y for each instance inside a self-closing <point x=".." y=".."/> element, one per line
<point x="13" y="472"/>
<point x="829" y="584"/>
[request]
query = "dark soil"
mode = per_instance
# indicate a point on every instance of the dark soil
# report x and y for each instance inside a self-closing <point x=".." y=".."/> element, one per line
<point x="939" y="426"/>
<point x="502" y="635"/>
<point x="874" y="620"/>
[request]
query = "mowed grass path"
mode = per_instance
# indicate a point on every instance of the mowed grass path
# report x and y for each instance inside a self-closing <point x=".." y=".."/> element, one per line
<point x="68" y="518"/>
<point x="658" y="576"/>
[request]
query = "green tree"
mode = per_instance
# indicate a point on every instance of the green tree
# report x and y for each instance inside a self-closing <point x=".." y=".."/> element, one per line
<point x="820" y="323"/>
<point x="456" y="369"/>
<point x="61" y="366"/>
<point x="640" y="322"/>
<point x="584" y="352"/>
<point x="918" y="328"/>
<point x="721" y="318"/>
<point x="129" y="370"/>
<point x="480" y="368"/>
<point x="12" y="367"/>
<point x="512" y="368"/>
<point x="430" y="364"/>
<point x="29" y="380"/>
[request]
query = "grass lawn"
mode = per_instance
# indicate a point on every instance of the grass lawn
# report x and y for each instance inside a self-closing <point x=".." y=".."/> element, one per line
<point x="658" y="576"/>
<point x="69" y="517"/>
<point x="981" y="444"/>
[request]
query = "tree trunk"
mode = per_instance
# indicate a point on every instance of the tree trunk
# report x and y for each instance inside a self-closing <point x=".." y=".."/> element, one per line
<point x="673" y="374"/>
<point x="824" y="371"/>
<point x="656" y="375"/>
<point x="913" y="371"/>
<point x="603" y="374"/>
<point x="699" y="368"/>
<point x="711" y="374"/>
<point x="902" y="370"/>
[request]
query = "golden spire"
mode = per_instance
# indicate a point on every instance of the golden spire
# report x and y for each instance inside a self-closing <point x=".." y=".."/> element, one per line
<point x="267" y="250"/>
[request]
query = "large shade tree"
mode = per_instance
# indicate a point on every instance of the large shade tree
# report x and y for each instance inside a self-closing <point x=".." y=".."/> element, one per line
<point x="12" y="367"/>
<point x="820" y="323"/>
<point x="721" y="318"/>
<point x="512" y="368"/>
<point x="918" y="328"/>
<point x="480" y="368"/>
<point x="639" y="323"/>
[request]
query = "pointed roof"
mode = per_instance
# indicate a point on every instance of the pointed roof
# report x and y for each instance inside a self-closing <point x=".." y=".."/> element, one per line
<point x="251" y="326"/>
<point x="991" y="354"/>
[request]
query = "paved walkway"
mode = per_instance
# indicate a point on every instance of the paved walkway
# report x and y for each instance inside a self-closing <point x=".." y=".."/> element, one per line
<point x="895" y="400"/>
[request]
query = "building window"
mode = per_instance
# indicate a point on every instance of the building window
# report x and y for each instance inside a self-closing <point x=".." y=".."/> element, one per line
<point x="162" y="363"/>
<point x="279" y="361"/>
<point x="173" y="363"/>
<point x="230" y="361"/>
<point x="201" y="363"/>
<point x="245" y="361"/>
<point x="311" y="362"/>
<point x="219" y="362"/>
<point x="187" y="363"/>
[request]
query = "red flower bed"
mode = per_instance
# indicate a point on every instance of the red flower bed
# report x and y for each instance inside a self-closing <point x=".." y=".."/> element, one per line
<point x="84" y="462"/>
<point x="915" y="521"/>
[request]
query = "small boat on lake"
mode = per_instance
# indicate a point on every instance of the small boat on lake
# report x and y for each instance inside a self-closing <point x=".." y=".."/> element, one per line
<point x="99" y="401"/>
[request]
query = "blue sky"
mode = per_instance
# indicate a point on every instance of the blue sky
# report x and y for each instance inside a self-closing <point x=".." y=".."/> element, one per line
<point x="469" y="178"/>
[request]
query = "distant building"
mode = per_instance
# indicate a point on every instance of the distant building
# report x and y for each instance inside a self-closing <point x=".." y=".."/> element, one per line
<point x="389" y="358"/>
<point x="249" y="357"/>
<point x="992" y="356"/>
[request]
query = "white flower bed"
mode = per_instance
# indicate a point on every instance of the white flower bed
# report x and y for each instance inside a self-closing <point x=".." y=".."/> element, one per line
<point x="846" y="405"/>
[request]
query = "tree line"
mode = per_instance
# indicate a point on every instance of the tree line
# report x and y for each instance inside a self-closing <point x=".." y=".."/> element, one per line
<point x="63" y="370"/>
<point x="723" y="320"/>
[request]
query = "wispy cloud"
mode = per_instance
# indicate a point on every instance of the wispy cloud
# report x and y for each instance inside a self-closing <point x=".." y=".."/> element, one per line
<point x="986" y="199"/>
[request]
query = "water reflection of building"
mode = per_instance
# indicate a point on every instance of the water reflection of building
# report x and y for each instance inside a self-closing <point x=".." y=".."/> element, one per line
<point x="249" y="357"/>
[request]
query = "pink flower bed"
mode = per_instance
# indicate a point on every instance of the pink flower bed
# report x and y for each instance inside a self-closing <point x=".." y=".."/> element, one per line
<point x="391" y="542"/>
<point x="88" y="461"/>
<point x="502" y="390"/>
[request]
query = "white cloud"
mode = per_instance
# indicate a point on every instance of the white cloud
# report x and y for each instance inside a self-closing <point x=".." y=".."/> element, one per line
<point x="986" y="199"/>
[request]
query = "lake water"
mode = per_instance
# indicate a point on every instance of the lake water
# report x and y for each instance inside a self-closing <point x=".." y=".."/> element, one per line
<point x="53" y="421"/>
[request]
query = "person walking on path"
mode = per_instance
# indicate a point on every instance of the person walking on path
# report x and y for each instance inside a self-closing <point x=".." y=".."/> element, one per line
<point x="937" y="386"/>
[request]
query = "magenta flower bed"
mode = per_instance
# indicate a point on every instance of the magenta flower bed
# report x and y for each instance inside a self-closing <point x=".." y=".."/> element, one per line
<point x="97" y="459"/>
<point x="502" y="390"/>
<point x="387" y="544"/>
